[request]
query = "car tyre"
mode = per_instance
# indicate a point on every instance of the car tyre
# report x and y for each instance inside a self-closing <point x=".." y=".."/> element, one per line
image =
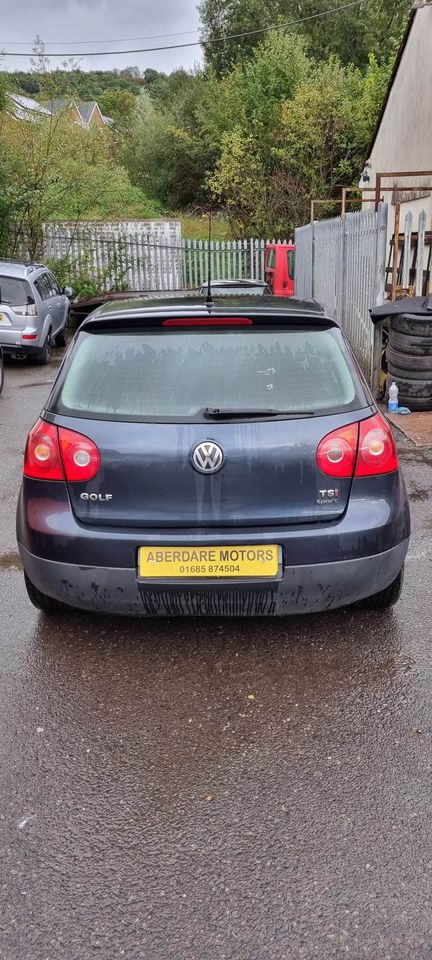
<point x="414" y="326"/>
<point x="408" y="364"/>
<point x="42" y="601"/>
<point x="45" y="354"/>
<point x="414" y="392"/>
<point x="61" y="338"/>
<point x="385" y="598"/>
<point x="410" y="345"/>
<point x="1" y="372"/>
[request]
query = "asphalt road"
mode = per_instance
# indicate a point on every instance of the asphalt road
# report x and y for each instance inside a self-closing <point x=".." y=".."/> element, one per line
<point x="201" y="790"/>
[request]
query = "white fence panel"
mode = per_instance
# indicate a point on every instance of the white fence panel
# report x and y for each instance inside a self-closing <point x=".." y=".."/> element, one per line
<point x="133" y="255"/>
<point x="151" y="255"/>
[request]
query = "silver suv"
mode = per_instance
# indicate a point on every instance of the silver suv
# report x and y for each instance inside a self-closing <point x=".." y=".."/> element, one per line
<point x="34" y="311"/>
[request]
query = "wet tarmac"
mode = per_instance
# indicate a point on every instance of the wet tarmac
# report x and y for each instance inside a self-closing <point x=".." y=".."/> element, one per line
<point x="202" y="790"/>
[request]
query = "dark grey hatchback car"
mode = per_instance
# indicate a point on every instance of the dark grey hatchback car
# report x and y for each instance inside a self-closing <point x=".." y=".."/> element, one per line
<point x="222" y="459"/>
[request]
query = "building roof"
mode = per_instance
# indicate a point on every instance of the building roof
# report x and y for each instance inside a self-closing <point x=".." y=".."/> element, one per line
<point x="24" y="107"/>
<point x="86" y="108"/>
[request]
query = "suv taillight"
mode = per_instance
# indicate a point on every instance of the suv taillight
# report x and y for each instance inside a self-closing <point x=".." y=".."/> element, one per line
<point x="25" y="310"/>
<point x="361" y="449"/>
<point x="55" y="453"/>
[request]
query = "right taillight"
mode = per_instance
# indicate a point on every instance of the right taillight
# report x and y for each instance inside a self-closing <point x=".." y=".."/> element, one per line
<point x="377" y="451"/>
<point x="361" y="449"/>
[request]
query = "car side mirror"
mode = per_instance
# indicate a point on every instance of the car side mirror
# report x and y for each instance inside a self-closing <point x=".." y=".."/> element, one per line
<point x="68" y="292"/>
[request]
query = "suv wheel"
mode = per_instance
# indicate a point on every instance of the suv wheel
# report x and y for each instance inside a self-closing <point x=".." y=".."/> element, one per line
<point x="42" y="601"/>
<point x="46" y="352"/>
<point x="1" y="372"/>
<point x="385" y="598"/>
<point x="61" y="338"/>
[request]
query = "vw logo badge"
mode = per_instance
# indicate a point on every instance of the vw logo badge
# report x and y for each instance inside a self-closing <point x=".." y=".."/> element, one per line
<point x="207" y="457"/>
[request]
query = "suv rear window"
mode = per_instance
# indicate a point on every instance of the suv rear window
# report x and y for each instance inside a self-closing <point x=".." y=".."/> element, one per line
<point x="175" y="374"/>
<point x="14" y="291"/>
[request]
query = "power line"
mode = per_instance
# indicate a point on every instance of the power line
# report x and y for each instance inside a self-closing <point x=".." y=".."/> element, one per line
<point x="196" y="43"/>
<point x="76" y="43"/>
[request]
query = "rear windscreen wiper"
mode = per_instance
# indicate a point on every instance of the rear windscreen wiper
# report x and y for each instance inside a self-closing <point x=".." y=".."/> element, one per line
<point x="221" y="413"/>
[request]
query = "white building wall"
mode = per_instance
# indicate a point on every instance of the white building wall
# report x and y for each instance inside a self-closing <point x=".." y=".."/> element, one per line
<point x="404" y="139"/>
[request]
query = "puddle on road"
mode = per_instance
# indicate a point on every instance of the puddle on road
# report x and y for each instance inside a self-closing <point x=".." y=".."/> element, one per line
<point x="10" y="561"/>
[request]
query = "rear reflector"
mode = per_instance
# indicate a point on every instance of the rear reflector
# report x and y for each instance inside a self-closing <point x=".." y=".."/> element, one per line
<point x="209" y="322"/>
<point x="361" y="449"/>
<point x="55" y="453"/>
<point x="29" y="336"/>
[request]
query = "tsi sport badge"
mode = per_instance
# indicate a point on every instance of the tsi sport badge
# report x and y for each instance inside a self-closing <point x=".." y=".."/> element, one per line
<point x="328" y="496"/>
<point x="96" y="497"/>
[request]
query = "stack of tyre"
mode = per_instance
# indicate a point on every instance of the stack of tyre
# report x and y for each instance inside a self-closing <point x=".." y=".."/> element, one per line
<point x="409" y="359"/>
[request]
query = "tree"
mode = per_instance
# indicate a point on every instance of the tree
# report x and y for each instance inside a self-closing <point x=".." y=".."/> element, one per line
<point x="165" y="158"/>
<point x="222" y="18"/>
<point x="119" y="105"/>
<point x="373" y="27"/>
<point x="314" y="146"/>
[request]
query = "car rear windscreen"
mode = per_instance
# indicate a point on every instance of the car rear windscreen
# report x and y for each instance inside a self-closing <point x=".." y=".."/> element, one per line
<point x="178" y="373"/>
<point x="14" y="291"/>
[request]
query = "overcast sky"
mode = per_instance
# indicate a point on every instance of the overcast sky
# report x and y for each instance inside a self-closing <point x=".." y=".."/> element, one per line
<point x="63" y="22"/>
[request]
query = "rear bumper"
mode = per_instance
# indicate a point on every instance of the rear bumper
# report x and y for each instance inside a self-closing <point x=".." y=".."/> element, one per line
<point x="302" y="589"/>
<point x="12" y="342"/>
<point x="324" y="565"/>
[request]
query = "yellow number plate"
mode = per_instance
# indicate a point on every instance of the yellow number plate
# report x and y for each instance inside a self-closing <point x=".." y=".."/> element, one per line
<point x="179" y="563"/>
<point x="4" y="319"/>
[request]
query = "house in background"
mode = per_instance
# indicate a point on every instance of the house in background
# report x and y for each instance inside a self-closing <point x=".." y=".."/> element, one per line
<point x="86" y="114"/>
<point x="24" y="108"/>
<point x="403" y="136"/>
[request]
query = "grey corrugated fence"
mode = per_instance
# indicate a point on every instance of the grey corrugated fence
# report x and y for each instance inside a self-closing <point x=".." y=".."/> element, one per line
<point x="341" y="263"/>
<point x="150" y="255"/>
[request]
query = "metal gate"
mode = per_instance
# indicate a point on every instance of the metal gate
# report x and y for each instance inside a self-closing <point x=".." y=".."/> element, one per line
<point x="341" y="263"/>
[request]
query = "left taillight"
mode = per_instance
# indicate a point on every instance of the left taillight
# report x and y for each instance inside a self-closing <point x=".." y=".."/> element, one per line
<point x="55" y="453"/>
<point x="42" y="455"/>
